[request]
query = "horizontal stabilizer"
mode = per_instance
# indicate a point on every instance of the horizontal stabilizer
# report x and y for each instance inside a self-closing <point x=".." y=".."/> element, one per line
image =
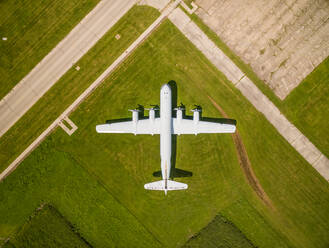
<point x="165" y="185"/>
<point x="172" y="185"/>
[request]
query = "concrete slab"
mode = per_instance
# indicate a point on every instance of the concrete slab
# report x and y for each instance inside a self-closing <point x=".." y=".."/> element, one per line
<point x="69" y="130"/>
<point x="291" y="30"/>
<point x="158" y="4"/>
<point x="304" y="146"/>
<point x="322" y="166"/>
<point x="179" y="18"/>
<point x="190" y="11"/>
<point x="17" y="102"/>
<point x="8" y="113"/>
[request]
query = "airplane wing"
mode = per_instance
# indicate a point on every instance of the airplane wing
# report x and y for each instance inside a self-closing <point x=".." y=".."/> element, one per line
<point x="146" y="126"/>
<point x="186" y="126"/>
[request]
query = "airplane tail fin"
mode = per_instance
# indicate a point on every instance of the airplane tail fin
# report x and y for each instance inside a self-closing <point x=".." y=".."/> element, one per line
<point x="165" y="185"/>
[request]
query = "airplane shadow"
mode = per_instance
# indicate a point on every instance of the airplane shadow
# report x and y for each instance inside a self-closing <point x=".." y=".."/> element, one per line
<point x="141" y="116"/>
<point x="175" y="172"/>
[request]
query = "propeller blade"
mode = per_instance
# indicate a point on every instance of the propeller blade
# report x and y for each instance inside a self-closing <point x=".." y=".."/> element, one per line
<point x="154" y="107"/>
<point x="134" y="110"/>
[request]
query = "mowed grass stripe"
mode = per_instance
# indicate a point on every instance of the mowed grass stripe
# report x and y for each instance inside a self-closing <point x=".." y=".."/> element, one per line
<point x="74" y="82"/>
<point x="219" y="233"/>
<point x="47" y="228"/>
<point x="33" y="29"/>
<point x="52" y="176"/>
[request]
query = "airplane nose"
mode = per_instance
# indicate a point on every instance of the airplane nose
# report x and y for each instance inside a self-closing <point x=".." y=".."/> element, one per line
<point x="165" y="88"/>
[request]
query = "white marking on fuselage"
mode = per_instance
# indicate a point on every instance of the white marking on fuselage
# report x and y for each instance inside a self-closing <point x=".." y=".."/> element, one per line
<point x="165" y="130"/>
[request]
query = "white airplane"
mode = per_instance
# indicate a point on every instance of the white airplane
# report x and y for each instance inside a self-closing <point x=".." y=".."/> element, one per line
<point x="166" y="126"/>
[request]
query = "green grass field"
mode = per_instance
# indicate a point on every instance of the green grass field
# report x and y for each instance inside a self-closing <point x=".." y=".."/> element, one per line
<point x="307" y="106"/>
<point x="33" y="29"/>
<point x="96" y="180"/>
<point x="53" y="176"/>
<point x="219" y="233"/>
<point x="73" y="83"/>
<point x="47" y="228"/>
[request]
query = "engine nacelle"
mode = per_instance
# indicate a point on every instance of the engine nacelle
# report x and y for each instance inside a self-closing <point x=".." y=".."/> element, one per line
<point x="134" y="114"/>
<point x="179" y="113"/>
<point x="152" y="114"/>
<point x="196" y="115"/>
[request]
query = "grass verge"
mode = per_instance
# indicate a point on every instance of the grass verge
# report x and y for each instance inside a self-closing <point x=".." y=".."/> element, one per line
<point x="73" y="83"/>
<point x="33" y="29"/>
<point x="307" y="106"/>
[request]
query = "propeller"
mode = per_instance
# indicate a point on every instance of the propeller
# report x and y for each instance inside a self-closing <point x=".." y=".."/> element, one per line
<point x="179" y="108"/>
<point x="153" y="107"/>
<point x="139" y="108"/>
<point x="197" y="108"/>
<point x="134" y="110"/>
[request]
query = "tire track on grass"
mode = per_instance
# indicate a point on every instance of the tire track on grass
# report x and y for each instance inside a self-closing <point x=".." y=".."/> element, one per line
<point x="245" y="162"/>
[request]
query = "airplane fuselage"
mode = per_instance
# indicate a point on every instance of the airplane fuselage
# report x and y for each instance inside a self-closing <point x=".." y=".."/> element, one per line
<point x="165" y="131"/>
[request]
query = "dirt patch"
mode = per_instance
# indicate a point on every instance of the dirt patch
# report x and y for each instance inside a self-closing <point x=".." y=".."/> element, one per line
<point x="245" y="162"/>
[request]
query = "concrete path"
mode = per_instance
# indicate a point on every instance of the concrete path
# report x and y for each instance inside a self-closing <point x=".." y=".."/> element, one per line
<point x="319" y="161"/>
<point x="190" y="11"/>
<point x="90" y="89"/>
<point x="158" y="4"/>
<point x="69" y="127"/>
<point x="34" y="85"/>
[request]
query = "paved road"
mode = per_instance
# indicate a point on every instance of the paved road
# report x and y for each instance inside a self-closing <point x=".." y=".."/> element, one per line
<point x="302" y="145"/>
<point x="32" y="87"/>
<point x="91" y="88"/>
